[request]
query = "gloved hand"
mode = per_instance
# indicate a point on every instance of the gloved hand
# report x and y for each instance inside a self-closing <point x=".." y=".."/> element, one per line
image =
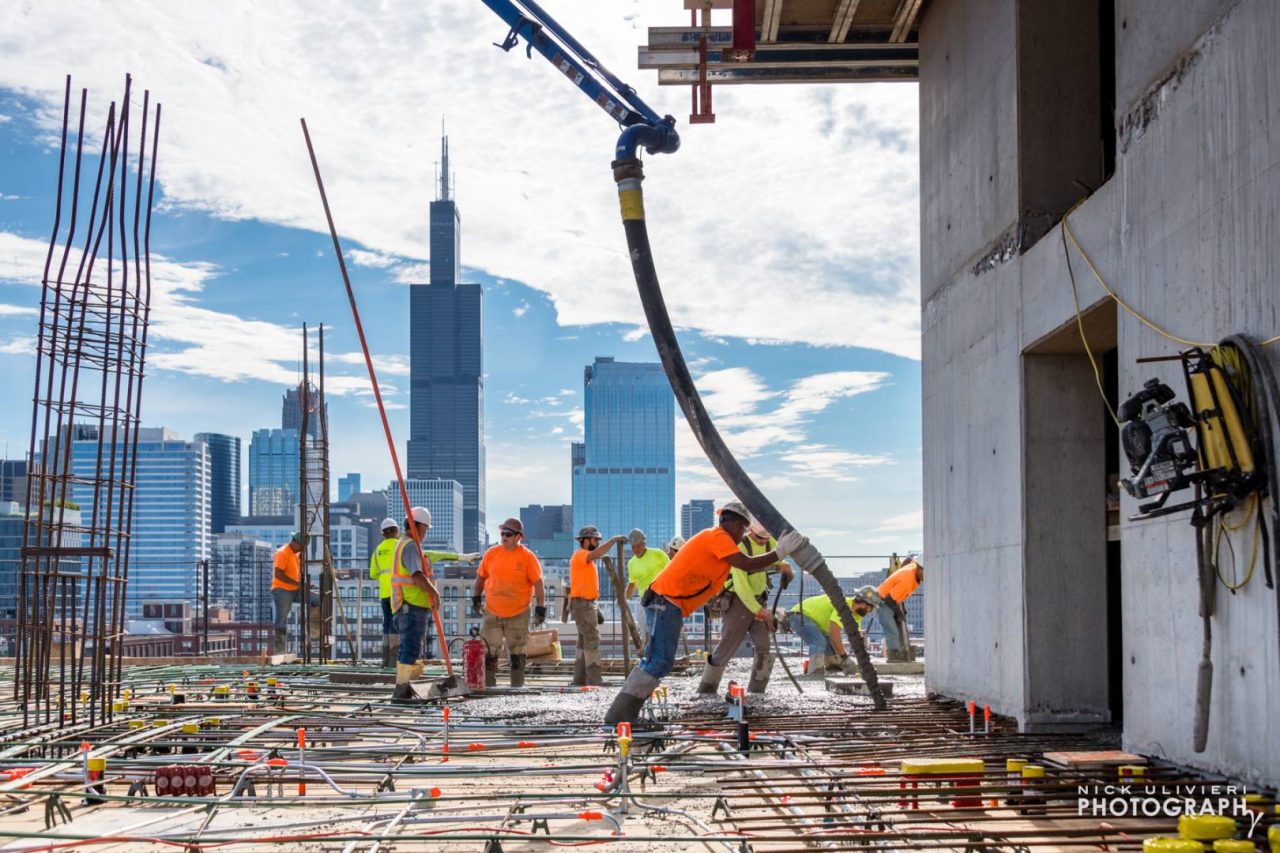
<point x="468" y="558"/>
<point x="786" y="575"/>
<point x="848" y="665"/>
<point x="475" y="605"/>
<point x="539" y="614"/>
<point x="789" y="543"/>
<point x="599" y="617"/>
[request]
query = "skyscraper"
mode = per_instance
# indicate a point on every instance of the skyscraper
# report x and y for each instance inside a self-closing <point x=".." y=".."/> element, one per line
<point x="291" y="413"/>
<point x="348" y="486"/>
<point x="446" y="370"/>
<point x="273" y="472"/>
<point x="224" y="479"/>
<point x="444" y="499"/>
<point x="624" y="472"/>
<point x="240" y="576"/>
<point x="544" y="522"/>
<point x="170" y="525"/>
<point x="13" y="480"/>
<point x="697" y="515"/>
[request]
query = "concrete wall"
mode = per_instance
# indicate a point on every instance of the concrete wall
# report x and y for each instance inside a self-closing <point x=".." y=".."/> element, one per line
<point x="1186" y="231"/>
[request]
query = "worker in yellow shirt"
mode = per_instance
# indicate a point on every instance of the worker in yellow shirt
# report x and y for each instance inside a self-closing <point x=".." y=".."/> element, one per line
<point x="642" y="568"/>
<point x="584" y="590"/>
<point x="893" y="618"/>
<point x="381" y="569"/>
<point x="746" y="613"/>
<point x="818" y="625"/>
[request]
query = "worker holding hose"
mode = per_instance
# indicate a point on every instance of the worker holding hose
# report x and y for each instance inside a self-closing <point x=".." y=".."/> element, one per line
<point x="509" y="577"/>
<point x="413" y="595"/>
<point x="746" y="614"/>
<point x="642" y="568"/>
<point x="286" y="585"/>
<point x="893" y="618"/>
<point x="818" y="625"/>
<point x="694" y="576"/>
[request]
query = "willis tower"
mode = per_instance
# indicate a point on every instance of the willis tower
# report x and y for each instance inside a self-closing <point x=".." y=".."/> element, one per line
<point x="446" y="368"/>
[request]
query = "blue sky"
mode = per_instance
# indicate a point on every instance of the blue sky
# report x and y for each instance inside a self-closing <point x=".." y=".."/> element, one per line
<point x="798" y="305"/>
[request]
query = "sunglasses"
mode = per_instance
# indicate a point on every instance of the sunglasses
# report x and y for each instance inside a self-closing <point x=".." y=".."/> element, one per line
<point x="506" y="534"/>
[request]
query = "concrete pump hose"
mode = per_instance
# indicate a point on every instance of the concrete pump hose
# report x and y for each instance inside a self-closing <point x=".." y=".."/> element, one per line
<point x="628" y="172"/>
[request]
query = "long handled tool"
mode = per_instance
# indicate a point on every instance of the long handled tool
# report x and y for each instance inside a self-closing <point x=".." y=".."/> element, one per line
<point x="449" y="683"/>
<point x="777" y="647"/>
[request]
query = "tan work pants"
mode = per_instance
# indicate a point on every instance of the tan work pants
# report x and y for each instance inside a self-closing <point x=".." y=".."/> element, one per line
<point x="586" y="663"/>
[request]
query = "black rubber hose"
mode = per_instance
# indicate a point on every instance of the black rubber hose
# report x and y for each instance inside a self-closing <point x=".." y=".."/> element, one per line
<point x="628" y="172"/>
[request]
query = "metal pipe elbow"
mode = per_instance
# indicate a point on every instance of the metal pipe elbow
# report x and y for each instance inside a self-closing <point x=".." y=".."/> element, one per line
<point x="660" y="138"/>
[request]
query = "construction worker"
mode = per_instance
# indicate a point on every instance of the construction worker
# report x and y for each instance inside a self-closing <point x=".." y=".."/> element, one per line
<point x="818" y="625"/>
<point x="676" y="543"/>
<point x="413" y="595"/>
<point x="697" y="573"/>
<point x="642" y="568"/>
<point x="893" y="618"/>
<point x="381" y="568"/>
<point x="583" y="592"/>
<point x="747" y="615"/>
<point x="509" y="577"/>
<point x="286" y="584"/>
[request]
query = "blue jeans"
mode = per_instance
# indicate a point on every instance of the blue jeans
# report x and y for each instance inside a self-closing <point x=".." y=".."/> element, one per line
<point x="664" y="638"/>
<point x="283" y="600"/>
<point x="889" y="623"/>
<point x="650" y="617"/>
<point x="411" y="623"/>
<point x="811" y="635"/>
<point x="388" y="624"/>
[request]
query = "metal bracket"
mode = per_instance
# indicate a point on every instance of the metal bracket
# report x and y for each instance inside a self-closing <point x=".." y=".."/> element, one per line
<point x="493" y="845"/>
<point x="513" y="36"/>
<point x="721" y="803"/>
<point x="610" y="745"/>
<point x="540" y="824"/>
<point x="387" y="783"/>
<point x="138" y="788"/>
<point x="55" y="808"/>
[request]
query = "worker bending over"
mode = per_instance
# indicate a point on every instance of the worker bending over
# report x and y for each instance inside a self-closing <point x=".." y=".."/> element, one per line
<point x="893" y="618"/>
<point x="583" y="592"/>
<point x="382" y="567"/>
<point x="412" y="597"/>
<point x="642" y="568"/>
<point x="697" y="573"/>
<point x="818" y="625"/>
<point x="746" y="614"/>
<point x="286" y="585"/>
<point x="509" y="577"/>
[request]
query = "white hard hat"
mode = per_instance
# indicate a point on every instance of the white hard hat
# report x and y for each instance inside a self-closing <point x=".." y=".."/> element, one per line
<point x="421" y="515"/>
<point x="758" y="530"/>
<point x="389" y="524"/>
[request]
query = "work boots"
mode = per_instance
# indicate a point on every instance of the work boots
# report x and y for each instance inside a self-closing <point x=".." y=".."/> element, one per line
<point x="711" y="675"/>
<point x="280" y="643"/>
<point x="404" y="690"/>
<point x="490" y="670"/>
<point x="517" y="670"/>
<point x="817" y="666"/>
<point x="627" y="704"/>
<point x="415" y="669"/>
<point x="386" y="651"/>
<point x="594" y="676"/>
<point x="579" y="672"/>
<point x="395" y="648"/>
<point x="761" y="669"/>
<point x="897" y="656"/>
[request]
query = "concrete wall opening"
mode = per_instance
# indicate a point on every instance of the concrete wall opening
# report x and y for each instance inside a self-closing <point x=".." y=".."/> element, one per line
<point x="1071" y="589"/>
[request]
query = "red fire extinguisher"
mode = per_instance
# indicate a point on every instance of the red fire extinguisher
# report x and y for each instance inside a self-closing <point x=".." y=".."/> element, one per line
<point x="473" y="661"/>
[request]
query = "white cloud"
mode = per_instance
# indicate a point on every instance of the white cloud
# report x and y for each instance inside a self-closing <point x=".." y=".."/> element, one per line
<point x="907" y="521"/>
<point x="187" y="338"/>
<point x="521" y="309"/>
<point x="375" y="260"/>
<point x="4" y="197"/>
<point x="776" y="256"/>
<point x="7" y="310"/>
<point x="4" y="118"/>
<point x="18" y="346"/>
<point x="829" y="463"/>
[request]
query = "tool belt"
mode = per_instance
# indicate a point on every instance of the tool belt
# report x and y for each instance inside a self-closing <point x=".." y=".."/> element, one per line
<point x="784" y="622"/>
<point x="724" y="600"/>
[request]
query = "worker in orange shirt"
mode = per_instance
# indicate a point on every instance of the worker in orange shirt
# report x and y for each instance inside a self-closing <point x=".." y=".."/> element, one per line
<point x="893" y="618"/>
<point x="286" y="585"/>
<point x="583" y="592"/>
<point x="691" y="579"/>
<point x="509" y="577"/>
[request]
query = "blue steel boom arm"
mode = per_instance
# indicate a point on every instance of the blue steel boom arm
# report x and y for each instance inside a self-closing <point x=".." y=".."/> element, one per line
<point x="641" y="125"/>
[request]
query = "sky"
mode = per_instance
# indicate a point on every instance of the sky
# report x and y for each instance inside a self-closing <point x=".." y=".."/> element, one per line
<point x="786" y="236"/>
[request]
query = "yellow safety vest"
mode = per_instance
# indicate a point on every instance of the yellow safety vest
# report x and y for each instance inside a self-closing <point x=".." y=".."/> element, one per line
<point x="382" y="564"/>
<point x="403" y="588"/>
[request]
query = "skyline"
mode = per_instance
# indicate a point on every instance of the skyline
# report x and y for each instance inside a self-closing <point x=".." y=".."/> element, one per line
<point x="821" y="405"/>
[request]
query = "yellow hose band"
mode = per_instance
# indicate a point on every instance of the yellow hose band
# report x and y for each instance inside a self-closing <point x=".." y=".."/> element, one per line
<point x="632" y="202"/>
<point x="1233" y="845"/>
<point x="1206" y="827"/>
<point x="1171" y="845"/>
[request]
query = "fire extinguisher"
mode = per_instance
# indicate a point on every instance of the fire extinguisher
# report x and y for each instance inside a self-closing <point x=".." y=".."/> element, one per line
<point x="473" y="661"/>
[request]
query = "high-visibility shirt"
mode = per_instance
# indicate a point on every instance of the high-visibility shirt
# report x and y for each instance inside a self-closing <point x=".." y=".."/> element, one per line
<point x="698" y="570"/>
<point x="407" y="562"/>
<point x="287" y="561"/>
<point x="583" y="580"/>
<point x="901" y="583"/>
<point x="750" y="586"/>
<point x="382" y="564"/>
<point x="820" y="611"/>
<point x="509" y="578"/>
<point x="643" y="569"/>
